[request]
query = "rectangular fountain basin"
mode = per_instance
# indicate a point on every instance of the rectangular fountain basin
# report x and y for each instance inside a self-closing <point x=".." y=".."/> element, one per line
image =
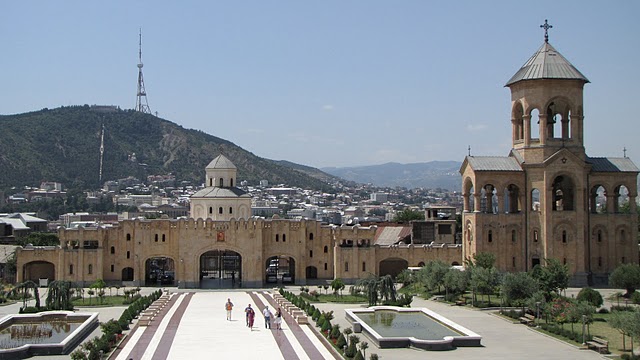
<point x="45" y="333"/>
<point x="396" y="327"/>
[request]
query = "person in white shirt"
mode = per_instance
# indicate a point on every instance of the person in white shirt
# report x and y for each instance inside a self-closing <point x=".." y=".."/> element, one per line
<point x="267" y="317"/>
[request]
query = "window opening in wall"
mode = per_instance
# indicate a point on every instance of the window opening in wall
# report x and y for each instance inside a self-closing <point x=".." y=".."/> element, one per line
<point x="231" y="182"/>
<point x="284" y="237"/>
<point x="220" y="210"/>
<point x="564" y="261"/>
<point x="599" y="235"/>
<point x="326" y="249"/>
<point x="563" y="191"/>
<point x="600" y="261"/>
<point x="90" y="269"/>
<point x="325" y="266"/>
<point x="364" y="266"/>
<point x="310" y="236"/>
<point x="564" y="236"/>
<point x="113" y="249"/>
<point x="622" y="235"/>
<point x="210" y="209"/>
<point x="70" y="269"/>
<point x="310" y="253"/>
<point x="534" y="125"/>
<point x="277" y="237"/>
<point x="163" y="237"/>
<point x="513" y="236"/>
<point x="128" y="254"/>
<point x="621" y="200"/>
<point x="221" y="182"/>
<point x="490" y="236"/>
<point x="513" y="261"/>
<point x="230" y="210"/>
<point x="113" y="268"/>
<point x="346" y="267"/>
<point x="535" y="200"/>
<point x="128" y="237"/>
<point x="156" y="238"/>
<point x="535" y="235"/>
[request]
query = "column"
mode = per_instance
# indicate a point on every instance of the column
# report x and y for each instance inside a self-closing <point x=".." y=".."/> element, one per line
<point x="476" y="202"/>
<point x="543" y="129"/>
<point x="465" y="199"/>
<point x="500" y="197"/>
<point x="526" y="119"/>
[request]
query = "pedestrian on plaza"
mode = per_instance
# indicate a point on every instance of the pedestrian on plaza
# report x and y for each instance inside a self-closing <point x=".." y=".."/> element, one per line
<point x="251" y="315"/>
<point x="278" y="319"/>
<point x="228" y="306"/>
<point x="246" y="313"/>
<point x="267" y="317"/>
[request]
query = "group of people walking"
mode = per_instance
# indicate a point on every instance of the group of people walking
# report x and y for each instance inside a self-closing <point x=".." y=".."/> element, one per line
<point x="250" y="316"/>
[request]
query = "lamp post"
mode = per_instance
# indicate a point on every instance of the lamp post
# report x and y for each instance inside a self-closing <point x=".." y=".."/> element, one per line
<point x="537" y="312"/>
<point x="584" y="321"/>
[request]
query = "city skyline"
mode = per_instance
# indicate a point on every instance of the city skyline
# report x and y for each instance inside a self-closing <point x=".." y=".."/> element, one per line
<point x="330" y="84"/>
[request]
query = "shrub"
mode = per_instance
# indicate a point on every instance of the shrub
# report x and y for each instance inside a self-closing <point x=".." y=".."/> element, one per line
<point x="358" y="356"/>
<point x="341" y="342"/>
<point x="335" y="332"/>
<point x="591" y="296"/>
<point x="326" y="326"/>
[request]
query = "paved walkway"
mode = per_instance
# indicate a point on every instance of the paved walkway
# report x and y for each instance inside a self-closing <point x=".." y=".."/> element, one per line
<point x="194" y="326"/>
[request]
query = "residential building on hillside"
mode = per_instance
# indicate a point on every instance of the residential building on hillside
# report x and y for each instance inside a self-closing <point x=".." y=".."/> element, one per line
<point x="221" y="245"/>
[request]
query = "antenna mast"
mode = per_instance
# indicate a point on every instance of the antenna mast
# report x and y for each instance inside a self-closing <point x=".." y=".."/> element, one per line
<point x="141" y="100"/>
<point x="101" y="151"/>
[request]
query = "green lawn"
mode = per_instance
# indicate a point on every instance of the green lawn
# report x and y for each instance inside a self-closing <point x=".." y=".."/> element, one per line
<point x="330" y="298"/>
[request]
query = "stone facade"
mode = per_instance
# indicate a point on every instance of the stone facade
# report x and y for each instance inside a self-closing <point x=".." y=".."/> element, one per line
<point x="548" y="199"/>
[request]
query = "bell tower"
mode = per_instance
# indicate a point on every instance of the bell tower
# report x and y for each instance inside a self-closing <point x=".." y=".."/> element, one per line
<point x="547" y="105"/>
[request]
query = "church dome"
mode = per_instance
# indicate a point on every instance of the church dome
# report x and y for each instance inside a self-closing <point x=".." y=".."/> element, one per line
<point x="547" y="63"/>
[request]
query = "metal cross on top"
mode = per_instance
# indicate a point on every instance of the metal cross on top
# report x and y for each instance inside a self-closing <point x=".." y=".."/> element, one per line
<point x="546" y="28"/>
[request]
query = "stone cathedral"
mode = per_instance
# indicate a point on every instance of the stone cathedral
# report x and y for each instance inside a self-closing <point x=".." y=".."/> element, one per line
<point x="548" y="198"/>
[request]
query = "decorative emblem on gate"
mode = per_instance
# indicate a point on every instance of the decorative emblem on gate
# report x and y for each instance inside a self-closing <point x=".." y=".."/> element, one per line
<point x="220" y="236"/>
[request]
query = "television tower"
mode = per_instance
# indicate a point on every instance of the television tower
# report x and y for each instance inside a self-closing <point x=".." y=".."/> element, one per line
<point x="101" y="152"/>
<point x="141" y="100"/>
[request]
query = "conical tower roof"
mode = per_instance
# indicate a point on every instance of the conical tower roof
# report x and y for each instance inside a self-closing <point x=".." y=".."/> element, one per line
<point x="221" y="162"/>
<point x="547" y="63"/>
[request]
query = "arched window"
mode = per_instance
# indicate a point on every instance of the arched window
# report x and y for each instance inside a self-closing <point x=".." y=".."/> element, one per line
<point x="221" y="182"/>
<point x="346" y="267"/>
<point x="70" y="269"/>
<point x="310" y="253"/>
<point x="534" y="125"/>
<point x="535" y="200"/>
<point x="599" y="261"/>
<point x="563" y="191"/>
<point x="310" y="236"/>
<point x="128" y="237"/>
<point x="598" y="200"/>
<point x="513" y="236"/>
<point x="220" y="210"/>
<point x="490" y="236"/>
<point x="325" y="266"/>
<point x="156" y="238"/>
<point x="284" y="237"/>
<point x="623" y="236"/>
<point x="113" y="268"/>
<point x="230" y="210"/>
<point x="599" y="235"/>
<point x="210" y="209"/>
<point x="90" y="269"/>
<point x="231" y="182"/>
<point x="277" y="237"/>
<point x="564" y="236"/>
<point x="326" y="249"/>
<point x="113" y="249"/>
<point x="621" y="200"/>
<point x="128" y="254"/>
<point x="512" y="199"/>
<point x="210" y="182"/>
<point x="535" y="235"/>
<point x="163" y="237"/>
<point x="364" y="266"/>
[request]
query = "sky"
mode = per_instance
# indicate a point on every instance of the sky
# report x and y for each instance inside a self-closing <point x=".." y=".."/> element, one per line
<point x="325" y="83"/>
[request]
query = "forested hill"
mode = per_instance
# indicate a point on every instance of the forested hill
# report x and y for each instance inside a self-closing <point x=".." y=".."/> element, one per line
<point x="63" y="145"/>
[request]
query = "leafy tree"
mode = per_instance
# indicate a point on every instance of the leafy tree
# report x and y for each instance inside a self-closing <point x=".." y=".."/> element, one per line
<point x="363" y="347"/>
<point x="342" y="342"/>
<point x="484" y="280"/>
<point x="432" y="274"/>
<point x="552" y="278"/>
<point x="407" y="215"/>
<point x="39" y="239"/>
<point x="483" y="260"/>
<point x="337" y="285"/>
<point x="59" y="295"/>
<point x="518" y="287"/>
<point x="626" y="276"/>
<point x="621" y="321"/>
<point x="455" y="282"/>
<point x="591" y="296"/>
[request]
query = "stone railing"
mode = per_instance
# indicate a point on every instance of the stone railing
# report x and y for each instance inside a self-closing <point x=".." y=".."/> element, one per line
<point x="298" y="314"/>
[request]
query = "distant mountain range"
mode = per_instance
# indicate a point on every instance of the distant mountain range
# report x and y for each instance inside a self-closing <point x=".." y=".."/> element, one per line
<point x="433" y="174"/>
<point x="63" y="145"/>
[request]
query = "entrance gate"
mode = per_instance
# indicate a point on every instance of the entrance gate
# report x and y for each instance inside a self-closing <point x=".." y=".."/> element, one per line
<point x="220" y="269"/>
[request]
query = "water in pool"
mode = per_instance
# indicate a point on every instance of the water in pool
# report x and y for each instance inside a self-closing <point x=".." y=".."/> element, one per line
<point x="406" y="324"/>
<point x="35" y="332"/>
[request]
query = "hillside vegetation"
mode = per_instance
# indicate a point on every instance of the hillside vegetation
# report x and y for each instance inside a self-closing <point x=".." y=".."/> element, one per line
<point x="63" y="145"/>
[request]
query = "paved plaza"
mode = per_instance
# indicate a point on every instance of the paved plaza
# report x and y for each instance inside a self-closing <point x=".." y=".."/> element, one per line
<point x="193" y="326"/>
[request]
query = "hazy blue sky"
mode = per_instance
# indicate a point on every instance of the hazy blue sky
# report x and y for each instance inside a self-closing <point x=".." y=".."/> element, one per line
<point x="325" y="83"/>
